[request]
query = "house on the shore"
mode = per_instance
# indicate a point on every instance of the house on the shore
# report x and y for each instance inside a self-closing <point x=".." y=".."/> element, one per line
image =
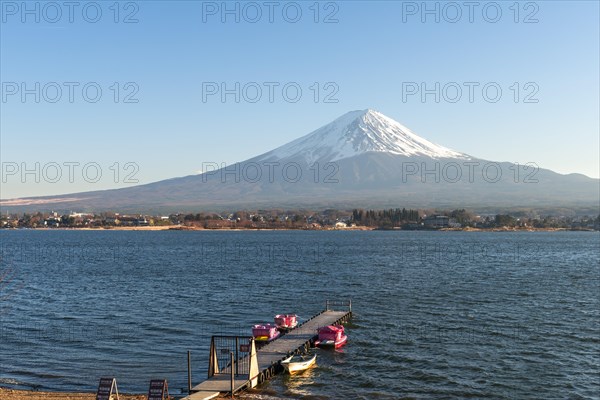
<point x="52" y="222"/>
<point x="126" y="220"/>
<point x="437" y="221"/>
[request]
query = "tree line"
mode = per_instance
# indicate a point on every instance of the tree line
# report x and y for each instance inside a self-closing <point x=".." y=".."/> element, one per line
<point x="384" y="218"/>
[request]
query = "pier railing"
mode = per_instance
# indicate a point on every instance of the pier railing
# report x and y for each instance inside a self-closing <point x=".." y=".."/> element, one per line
<point x="221" y="349"/>
<point x="333" y="305"/>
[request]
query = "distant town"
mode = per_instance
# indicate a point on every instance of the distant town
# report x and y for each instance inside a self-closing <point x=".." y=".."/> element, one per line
<point x="389" y="219"/>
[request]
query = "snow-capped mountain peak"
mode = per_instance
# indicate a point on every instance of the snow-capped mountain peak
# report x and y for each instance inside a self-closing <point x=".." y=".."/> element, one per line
<point x="360" y="132"/>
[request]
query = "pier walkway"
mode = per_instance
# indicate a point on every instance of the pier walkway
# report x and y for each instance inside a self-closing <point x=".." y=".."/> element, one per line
<point x="254" y="366"/>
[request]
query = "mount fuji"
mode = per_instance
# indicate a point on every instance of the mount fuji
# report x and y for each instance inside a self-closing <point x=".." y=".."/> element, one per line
<point x="361" y="159"/>
<point x="360" y="132"/>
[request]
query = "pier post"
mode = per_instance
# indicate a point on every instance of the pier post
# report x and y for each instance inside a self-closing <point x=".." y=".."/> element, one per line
<point x="237" y="346"/>
<point x="232" y="375"/>
<point x="189" y="359"/>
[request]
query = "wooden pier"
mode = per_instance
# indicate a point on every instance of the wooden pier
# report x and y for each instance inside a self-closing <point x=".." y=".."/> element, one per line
<point x="235" y="362"/>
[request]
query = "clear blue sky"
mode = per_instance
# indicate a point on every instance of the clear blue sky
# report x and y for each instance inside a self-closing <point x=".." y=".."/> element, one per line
<point x="372" y="49"/>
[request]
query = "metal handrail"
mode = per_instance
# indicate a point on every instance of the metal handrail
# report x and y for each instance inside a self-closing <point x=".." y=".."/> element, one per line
<point x="341" y="303"/>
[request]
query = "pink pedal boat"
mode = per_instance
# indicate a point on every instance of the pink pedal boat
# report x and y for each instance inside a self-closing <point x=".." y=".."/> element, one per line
<point x="265" y="333"/>
<point x="331" y="336"/>
<point x="285" y="322"/>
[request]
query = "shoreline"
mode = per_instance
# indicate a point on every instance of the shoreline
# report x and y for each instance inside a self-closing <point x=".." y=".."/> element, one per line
<point x="22" y="394"/>
<point x="18" y="394"/>
<point x="357" y="228"/>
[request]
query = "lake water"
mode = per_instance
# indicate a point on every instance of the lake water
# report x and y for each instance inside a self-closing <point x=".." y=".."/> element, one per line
<point x="436" y="314"/>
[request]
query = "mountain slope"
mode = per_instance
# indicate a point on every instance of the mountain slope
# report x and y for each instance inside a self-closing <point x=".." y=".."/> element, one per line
<point x="362" y="159"/>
